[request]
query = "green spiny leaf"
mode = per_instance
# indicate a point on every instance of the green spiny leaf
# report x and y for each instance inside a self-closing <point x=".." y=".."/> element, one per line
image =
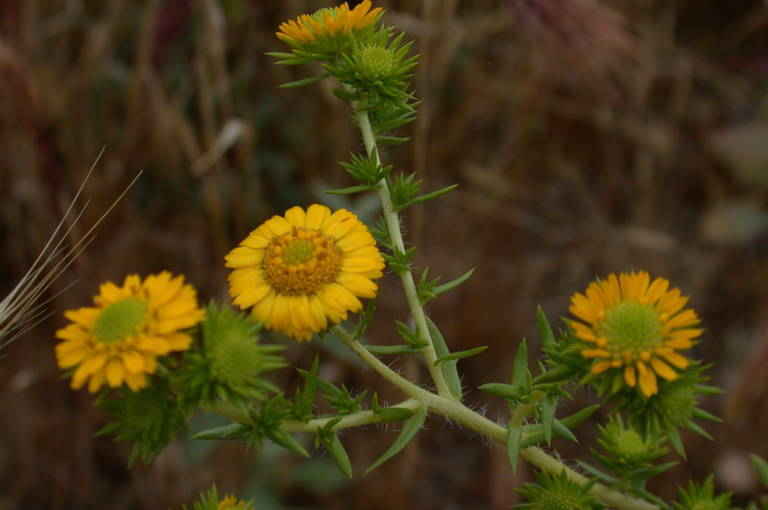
<point x="460" y="354"/>
<point x="409" y="430"/>
<point x="514" y="441"/>
<point x="305" y="81"/>
<point x="450" y="372"/>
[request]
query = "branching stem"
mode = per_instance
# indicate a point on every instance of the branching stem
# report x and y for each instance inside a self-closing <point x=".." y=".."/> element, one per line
<point x="392" y="221"/>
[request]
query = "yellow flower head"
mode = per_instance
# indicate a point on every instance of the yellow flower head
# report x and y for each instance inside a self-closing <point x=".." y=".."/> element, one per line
<point x="636" y="326"/>
<point x="328" y="22"/>
<point x="306" y="269"/>
<point x="230" y="503"/>
<point x="119" y="339"/>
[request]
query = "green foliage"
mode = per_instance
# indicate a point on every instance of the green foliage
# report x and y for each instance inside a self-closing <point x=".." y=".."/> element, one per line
<point x="327" y="436"/>
<point x="367" y="170"/>
<point x="411" y="426"/>
<point x="449" y="368"/>
<point x="430" y="289"/>
<point x="557" y="492"/>
<point x="702" y="497"/>
<point x="404" y="188"/>
<point x="340" y="398"/>
<point x="400" y="261"/>
<point x="149" y="419"/>
<point x="628" y="455"/>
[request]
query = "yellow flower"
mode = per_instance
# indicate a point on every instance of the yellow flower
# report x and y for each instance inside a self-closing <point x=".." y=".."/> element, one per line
<point x="230" y="503"/>
<point x="119" y="339"/>
<point x="304" y="270"/>
<point x="328" y="23"/>
<point x="636" y="326"/>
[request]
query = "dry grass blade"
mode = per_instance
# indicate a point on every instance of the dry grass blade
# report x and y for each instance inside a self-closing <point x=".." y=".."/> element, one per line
<point x="22" y="308"/>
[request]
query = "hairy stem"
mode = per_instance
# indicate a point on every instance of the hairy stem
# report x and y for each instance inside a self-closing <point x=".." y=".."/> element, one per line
<point x="409" y="286"/>
<point x="459" y="413"/>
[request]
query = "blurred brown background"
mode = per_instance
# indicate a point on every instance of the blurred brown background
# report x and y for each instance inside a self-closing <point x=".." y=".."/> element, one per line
<point x="587" y="136"/>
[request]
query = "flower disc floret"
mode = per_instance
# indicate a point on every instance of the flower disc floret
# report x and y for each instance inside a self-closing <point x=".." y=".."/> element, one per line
<point x="118" y="340"/>
<point x="636" y="326"/>
<point x="306" y="269"/>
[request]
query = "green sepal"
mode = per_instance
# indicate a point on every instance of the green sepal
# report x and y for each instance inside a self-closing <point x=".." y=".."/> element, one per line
<point x="449" y="370"/>
<point x="391" y="349"/>
<point x="409" y="430"/>
<point x="761" y="468"/>
<point x="426" y="196"/>
<point x="674" y="437"/>
<point x="461" y="354"/>
<point x="704" y="415"/>
<point x="286" y="440"/>
<point x="548" y="408"/>
<point x="389" y="414"/>
<point x="305" y="81"/>
<point x="351" y="189"/>
<point x="697" y="429"/>
<point x="514" y="443"/>
<point x="545" y="330"/>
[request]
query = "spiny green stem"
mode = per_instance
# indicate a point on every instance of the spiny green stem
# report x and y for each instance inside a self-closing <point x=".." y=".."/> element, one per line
<point x="409" y="285"/>
<point x="458" y="412"/>
<point x="351" y="420"/>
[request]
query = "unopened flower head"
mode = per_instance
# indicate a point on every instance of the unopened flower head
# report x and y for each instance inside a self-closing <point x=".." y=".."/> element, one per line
<point x="636" y="326"/>
<point x="304" y="270"/>
<point x="118" y="340"/>
<point x="327" y="24"/>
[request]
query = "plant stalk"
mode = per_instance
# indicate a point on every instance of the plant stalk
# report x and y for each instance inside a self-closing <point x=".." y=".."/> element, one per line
<point x="392" y="221"/>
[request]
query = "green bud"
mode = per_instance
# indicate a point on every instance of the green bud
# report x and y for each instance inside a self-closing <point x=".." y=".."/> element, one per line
<point x="230" y="363"/>
<point x="557" y="493"/>
<point x="702" y="497"/>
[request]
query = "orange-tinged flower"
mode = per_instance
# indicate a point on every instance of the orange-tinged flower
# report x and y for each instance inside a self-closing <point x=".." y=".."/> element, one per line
<point x="636" y="326"/>
<point x="305" y="270"/>
<point x="118" y="340"/>
<point x="328" y="22"/>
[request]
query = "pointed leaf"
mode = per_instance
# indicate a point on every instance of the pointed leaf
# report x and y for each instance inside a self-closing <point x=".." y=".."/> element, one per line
<point x="231" y="431"/>
<point x="453" y="283"/>
<point x="501" y="390"/>
<point x="427" y="196"/>
<point x="548" y="408"/>
<point x="409" y="430"/>
<point x="545" y="330"/>
<point x="339" y="454"/>
<point x="514" y="442"/>
<point x="392" y="349"/>
<point x="287" y="441"/>
<point x="305" y="81"/>
<point x="761" y="466"/>
<point x="520" y="366"/>
<point x="450" y="373"/>
<point x="596" y="472"/>
<point x="351" y="189"/>
<point x="561" y="430"/>
<point x="460" y="354"/>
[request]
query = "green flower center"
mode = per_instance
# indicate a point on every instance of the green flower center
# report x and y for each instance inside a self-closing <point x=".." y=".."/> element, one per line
<point x="630" y="444"/>
<point x="376" y="62"/>
<point x="298" y="252"/>
<point x="558" y="501"/>
<point x="119" y="320"/>
<point x="631" y="327"/>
